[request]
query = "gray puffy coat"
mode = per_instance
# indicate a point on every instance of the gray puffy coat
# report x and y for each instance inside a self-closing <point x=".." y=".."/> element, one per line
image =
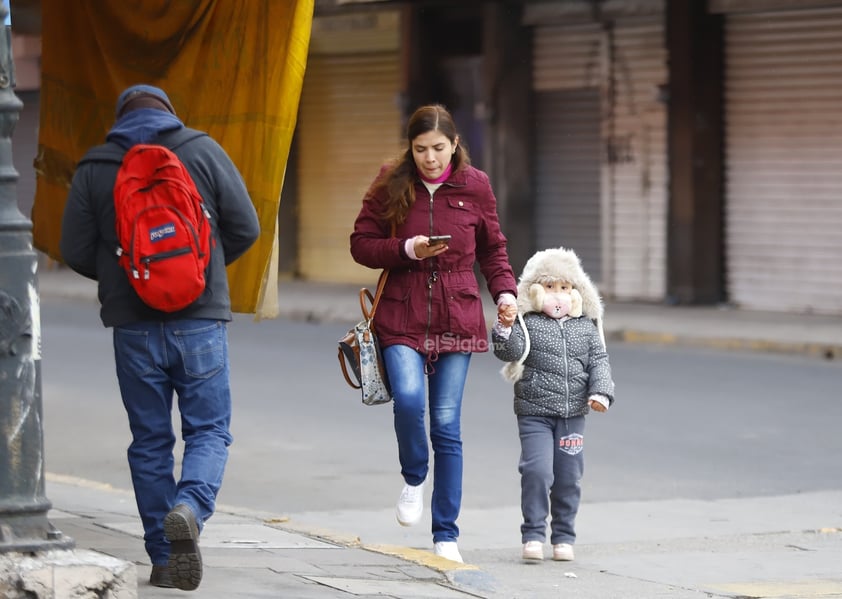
<point x="567" y="360"/>
<point x="567" y="363"/>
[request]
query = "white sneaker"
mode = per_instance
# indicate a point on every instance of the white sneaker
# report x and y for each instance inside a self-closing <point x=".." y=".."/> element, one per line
<point x="410" y="505"/>
<point x="448" y="550"/>
<point x="533" y="551"/>
<point x="563" y="552"/>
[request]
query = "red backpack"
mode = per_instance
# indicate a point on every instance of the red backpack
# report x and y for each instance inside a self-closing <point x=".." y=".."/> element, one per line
<point x="163" y="228"/>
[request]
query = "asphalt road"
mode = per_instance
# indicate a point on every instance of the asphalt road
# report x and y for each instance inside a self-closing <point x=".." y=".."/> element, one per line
<point x="714" y="474"/>
<point x="687" y="423"/>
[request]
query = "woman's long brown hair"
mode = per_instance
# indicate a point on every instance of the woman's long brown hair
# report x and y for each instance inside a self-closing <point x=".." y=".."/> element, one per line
<point x="399" y="179"/>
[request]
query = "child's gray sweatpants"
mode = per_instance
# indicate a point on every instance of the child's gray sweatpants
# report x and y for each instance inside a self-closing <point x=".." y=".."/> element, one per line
<point x="551" y="467"/>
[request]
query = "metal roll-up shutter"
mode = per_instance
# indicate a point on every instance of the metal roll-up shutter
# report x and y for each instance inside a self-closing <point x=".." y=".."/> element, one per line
<point x="349" y="124"/>
<point x="784" y="160"/>
<point x="600" y="154"/>
<point x="567" y="164"/>
<point x="637" y="160"/>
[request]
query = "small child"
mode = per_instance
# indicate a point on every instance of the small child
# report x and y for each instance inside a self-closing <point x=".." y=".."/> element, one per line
<point x="557" y="360"/>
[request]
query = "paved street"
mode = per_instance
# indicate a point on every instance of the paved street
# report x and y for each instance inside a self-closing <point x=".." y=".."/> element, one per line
<point x="715" y="474"/>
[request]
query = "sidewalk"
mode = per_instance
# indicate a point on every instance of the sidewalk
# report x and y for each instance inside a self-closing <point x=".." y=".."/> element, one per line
<point x="772" y="547"/>
<point x="246" y="554"/>
<point x="775" y="547"/>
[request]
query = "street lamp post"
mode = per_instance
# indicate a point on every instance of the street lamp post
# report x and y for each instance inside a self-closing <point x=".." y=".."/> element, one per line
<point x="23" y="505"/>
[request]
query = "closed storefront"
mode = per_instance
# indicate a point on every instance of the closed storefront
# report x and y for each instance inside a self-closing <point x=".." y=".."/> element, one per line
<point x="600" y="148"/>
<point x="349" y="124"/>
<point x="784" y="160"/>
<point x="568" y="142"/>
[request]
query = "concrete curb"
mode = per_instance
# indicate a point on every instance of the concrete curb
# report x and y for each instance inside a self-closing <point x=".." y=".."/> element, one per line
<point x="816" y="350"/>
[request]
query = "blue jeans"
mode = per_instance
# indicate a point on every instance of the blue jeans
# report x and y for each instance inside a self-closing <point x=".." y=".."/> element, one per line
<point x="552" y="462"/>
<point x="405" y="368"/>
<point x="153" y="360"/>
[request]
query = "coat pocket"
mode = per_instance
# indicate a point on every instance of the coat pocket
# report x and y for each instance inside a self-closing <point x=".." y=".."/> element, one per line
<point x="402" y="311"/>
<point x="464" y="308"/>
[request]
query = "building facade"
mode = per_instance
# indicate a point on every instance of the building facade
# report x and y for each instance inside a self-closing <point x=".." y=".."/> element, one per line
<point x="690" y="152"/>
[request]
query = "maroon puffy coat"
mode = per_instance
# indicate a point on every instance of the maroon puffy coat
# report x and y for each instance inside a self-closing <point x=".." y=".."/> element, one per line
<point x="434" y="305"/>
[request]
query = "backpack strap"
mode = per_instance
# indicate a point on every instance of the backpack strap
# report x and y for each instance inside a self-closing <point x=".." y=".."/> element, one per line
<point x="107" y="152"/>
<point x="179" y="137"/>
<point x="113" y="152"/>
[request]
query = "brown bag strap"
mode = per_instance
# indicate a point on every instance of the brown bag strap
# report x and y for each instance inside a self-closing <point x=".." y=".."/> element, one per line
<point x="345" y="373"/>
<point x="365" y="294"/>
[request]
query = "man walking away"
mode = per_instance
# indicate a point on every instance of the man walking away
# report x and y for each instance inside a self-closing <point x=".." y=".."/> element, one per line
<point x="158" y="353"/>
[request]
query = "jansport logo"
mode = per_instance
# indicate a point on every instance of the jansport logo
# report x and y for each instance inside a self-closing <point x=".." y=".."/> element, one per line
<point x="572" y="444"/>
<point x="162" y="232"/>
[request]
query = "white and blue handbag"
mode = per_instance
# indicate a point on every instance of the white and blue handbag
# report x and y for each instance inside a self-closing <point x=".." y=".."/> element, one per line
<point x="360" y="350"/>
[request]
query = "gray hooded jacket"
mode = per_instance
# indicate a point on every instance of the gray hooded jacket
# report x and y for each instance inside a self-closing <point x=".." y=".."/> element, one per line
<point x="567" y="360"/>
<point x="89" y="239"/>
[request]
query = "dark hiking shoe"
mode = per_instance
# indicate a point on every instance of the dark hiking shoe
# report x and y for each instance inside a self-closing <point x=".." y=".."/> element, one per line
<point x="185" y="564"/>
<point x="160" y="577"/>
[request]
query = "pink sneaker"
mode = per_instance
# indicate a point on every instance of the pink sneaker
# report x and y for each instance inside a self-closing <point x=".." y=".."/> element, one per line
<point x="563" y="552"/>
<point x="533" y="551"/>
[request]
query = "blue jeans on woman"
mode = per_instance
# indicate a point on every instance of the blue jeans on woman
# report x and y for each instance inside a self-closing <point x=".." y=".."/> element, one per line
<point x="153" y="360"/>
<point x="405" y="368"/>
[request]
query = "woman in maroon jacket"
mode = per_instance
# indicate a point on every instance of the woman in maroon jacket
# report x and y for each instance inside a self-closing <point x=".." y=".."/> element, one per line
<point x="430" y="317"/>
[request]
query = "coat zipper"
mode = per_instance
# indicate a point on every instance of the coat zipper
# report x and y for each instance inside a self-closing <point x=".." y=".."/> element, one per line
<point x="566" y="370"/>
<point x="430" y="280"/>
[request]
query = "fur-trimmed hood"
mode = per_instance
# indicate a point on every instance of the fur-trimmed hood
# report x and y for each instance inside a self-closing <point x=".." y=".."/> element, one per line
<point x="547" y="266"/>
<point x="558" y="264"/>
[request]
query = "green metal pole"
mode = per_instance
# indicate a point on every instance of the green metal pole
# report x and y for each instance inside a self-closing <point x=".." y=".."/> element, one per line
<point x="23" y="505"/>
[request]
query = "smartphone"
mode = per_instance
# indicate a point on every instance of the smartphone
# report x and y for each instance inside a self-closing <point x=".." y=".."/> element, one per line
<point x="437" y="239"/>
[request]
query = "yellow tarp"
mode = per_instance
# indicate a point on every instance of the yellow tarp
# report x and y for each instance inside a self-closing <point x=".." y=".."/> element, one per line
<point x="233" y="68"/>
